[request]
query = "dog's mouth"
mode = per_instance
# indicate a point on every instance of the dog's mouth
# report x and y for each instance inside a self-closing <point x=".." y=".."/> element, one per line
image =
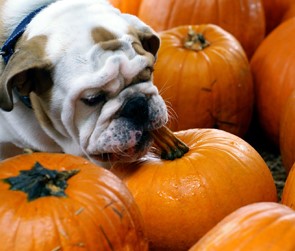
<point x="129" y="154"/>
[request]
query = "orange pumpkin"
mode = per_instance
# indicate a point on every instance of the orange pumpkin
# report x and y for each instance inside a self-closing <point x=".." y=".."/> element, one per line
<point x="244" y="19"/>
<point x="273" y="72"/>
<point x="288" y="196"/>
<point x="276" y="11"/>
<point x="259" y="226"/>
<point x="204" y="75"/>
<point x="287" y="133"/>
<point x="290" y="12"/>
<point x="127" y="6"/>
<point x="181" y="200"/>
<point x="63" y="202"/>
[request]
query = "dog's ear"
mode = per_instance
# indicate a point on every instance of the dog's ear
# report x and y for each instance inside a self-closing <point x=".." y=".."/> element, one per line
<point x="150" y="42"/>
<point x="27" y="61"/>
<point x="148" y="37"/>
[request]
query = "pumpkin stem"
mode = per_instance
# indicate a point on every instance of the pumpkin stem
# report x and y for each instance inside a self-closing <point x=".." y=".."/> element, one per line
<point x="40" y="182"/>
<point x="171" y="147"/>
<point x="195" y="41"/>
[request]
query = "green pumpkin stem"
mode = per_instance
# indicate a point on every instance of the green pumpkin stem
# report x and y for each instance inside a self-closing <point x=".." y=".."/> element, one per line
<point x="195" y="41"/>
<point x="40" y="182"/>
<point x="169" y="145"/>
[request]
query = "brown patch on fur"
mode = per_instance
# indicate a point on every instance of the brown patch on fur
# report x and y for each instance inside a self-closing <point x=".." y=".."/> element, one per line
<point x="26" y="63"/>
<point x="143" y="76"/>
<point x="105" y="39"/>
<point x="145" y="44"/>
<point x="41" y="106"/>
<point x="138" y="48"/>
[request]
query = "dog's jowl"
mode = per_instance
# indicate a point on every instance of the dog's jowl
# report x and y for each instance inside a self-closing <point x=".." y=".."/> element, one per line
<point x="76" y="77"/>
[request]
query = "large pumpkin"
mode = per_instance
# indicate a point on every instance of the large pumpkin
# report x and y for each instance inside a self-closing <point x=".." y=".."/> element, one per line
<point x="244" y="19"/>
<point x="277" y="11"/>
<point x="287" y="133"/>
<point x="259" y="226"/>
<point x="63" y="202"/>
<point x="127" y="6"/>
<point x="290" y="12"/>
<point x="273" y="67"/>
<point x="181" y="200"/>
<point x="204" y="75"/>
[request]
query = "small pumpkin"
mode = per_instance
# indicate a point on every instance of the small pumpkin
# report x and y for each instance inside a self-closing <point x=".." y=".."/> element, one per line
<point x="62" y="202"/>
<point x="204" y="75"/>
<point x="182" y="199"/>
<point x="287" y="133"/>
<point x="273" y="75"/>
<point x="259" y="226"/>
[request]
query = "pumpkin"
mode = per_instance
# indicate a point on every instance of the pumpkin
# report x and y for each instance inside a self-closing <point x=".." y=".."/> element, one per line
<point x="127" y="6"/>
<point x="276" y="11"/>
<point x="244" y="19"/>
<point x="61" y="202"/>
<point x="259" y="226"/>
<point x="289" y="13"/>
<point x="203" y="74"/>
<point x="182" y="199"/>
<point x="273" y="74"/>
<point x="288" y="195"/>
<point x="287" y="133"/>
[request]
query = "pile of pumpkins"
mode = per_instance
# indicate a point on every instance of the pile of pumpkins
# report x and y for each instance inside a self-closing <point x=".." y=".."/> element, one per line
<point x="219" y="63"/>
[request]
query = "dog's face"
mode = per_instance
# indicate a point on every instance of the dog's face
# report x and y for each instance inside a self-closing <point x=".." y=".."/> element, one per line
<point x="88" y="71"/>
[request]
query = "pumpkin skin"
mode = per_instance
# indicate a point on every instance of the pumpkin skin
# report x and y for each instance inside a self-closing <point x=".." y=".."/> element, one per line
<point x="273" y="75"/>
<point x="288" y="195"/>
<point x="97" y="213"/>
<point x="259" y="226"/>
<point x="181" y="200"/>
<point x="205" y="87"/>
<point x="244" y="19"/>
<point x="289" y="13"/>
<point x="276" y="11"/>
<point x="287" y="133"/>
<point x="129" y="6"/>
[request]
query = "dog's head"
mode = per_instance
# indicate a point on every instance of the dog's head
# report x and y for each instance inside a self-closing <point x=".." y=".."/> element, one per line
<point x="88" y="71"/>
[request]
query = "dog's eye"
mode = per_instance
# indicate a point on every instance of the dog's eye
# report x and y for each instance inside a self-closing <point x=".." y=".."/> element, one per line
<point x="94" y="100"/>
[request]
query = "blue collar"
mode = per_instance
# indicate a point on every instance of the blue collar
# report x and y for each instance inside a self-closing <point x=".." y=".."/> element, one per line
<point x="7" y="49"/>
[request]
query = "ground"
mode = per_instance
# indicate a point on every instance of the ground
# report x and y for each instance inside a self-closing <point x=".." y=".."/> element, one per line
<point x="269" y="153"/>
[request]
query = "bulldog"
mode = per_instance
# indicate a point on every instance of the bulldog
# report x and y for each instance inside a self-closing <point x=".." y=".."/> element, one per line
<point x="76" y="77"/>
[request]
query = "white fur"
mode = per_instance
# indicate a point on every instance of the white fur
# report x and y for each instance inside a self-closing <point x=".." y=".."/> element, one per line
<point x="14" y="11"/>
<point x="81" y="68"/>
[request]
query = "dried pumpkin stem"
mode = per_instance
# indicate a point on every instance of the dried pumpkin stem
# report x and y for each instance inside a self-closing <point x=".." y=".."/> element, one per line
<point x="40" y="182"/>
<point x="170" y="146"/>
<point x="195" y="41"/>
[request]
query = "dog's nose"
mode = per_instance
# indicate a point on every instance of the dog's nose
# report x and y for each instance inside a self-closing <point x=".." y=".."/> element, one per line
<point x="136" y="109"/>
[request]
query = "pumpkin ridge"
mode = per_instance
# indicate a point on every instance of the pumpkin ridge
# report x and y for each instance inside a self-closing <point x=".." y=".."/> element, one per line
<point x="66" y="233"/>
<point x="169" y="19"/>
